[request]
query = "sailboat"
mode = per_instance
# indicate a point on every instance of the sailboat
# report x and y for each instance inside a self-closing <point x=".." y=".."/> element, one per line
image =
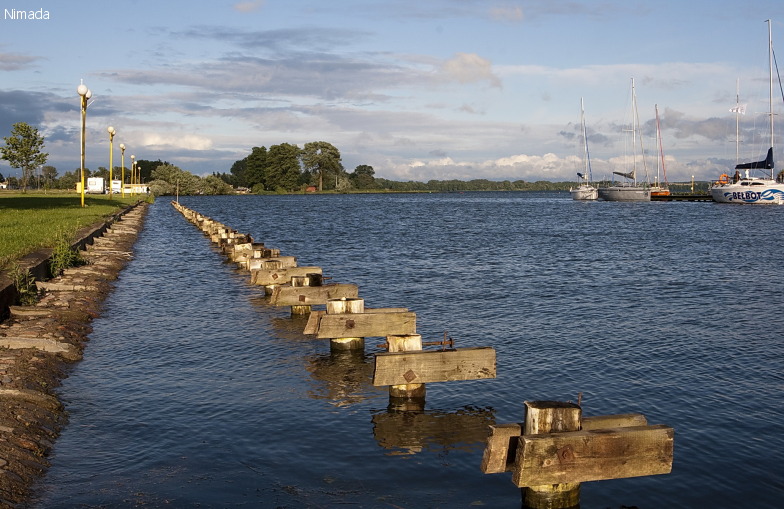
<point x="629" y="190"/>
<point x="745" y="188"/>
<point x="659" y="189"/>
<point x="585" y="191"/>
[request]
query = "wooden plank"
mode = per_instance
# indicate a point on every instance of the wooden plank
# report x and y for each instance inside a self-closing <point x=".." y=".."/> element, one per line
<point x="419" y="367"/>
<point x="257" y="263"/>
<point x="315" y="317"/>
<point x="309" y="295"/>
<point x="593" y="455"/>
<point x="499" y="454"/>
<point x="282" y="276"/>
<point x="363" y="325"/>
<point x="613" y="421"/>
<point x="500" y="448"/>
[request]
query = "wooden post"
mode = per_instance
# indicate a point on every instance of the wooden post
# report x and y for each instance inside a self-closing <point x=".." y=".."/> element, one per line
<point x="346" y="305"/>
<point x="551" y="417"/>
<point x="406" y="397"/>
<point x="304" y="308"/>
<point x="271" y="264"/>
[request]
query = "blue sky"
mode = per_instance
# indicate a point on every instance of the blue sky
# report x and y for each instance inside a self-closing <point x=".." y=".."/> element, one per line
<point x="420" y="90"/>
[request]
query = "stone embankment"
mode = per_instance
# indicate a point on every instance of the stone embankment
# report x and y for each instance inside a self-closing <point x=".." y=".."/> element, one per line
<point x="38" y="344"/>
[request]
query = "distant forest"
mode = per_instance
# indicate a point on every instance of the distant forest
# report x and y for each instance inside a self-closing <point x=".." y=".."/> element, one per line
<point x="286" y="168"/>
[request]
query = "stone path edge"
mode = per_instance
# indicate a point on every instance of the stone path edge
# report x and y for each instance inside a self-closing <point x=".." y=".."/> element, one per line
<point x="39" y="343"/>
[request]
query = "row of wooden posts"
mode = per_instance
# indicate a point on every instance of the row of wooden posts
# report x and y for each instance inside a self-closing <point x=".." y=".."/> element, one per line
<point x="549" y="455"/>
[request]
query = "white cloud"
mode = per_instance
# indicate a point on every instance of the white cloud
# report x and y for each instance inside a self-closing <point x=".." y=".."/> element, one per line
<point x="249" y="6"/>
<point x="513" y="13"/>
<point x="187" y="141"/>
<point x="470" y="68"/>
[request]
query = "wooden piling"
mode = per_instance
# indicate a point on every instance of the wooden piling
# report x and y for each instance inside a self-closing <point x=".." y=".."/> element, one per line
<point x="299" y="281"/>
<point x="346" y="305"/>
<point x="551" y="417"/>
<point x="406" y="397"/>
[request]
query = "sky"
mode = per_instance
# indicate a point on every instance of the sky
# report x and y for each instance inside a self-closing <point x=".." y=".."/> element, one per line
<point x="417" y="89"/>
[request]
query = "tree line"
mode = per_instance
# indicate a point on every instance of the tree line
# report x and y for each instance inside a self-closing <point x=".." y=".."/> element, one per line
<point x="281" y="168"/>
<point x="288" y="168"/>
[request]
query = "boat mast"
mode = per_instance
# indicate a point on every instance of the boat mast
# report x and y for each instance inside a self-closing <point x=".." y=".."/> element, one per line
<point x="770" y="70"/>
<point x="737" y="121"/>
<point x="586" y="160"/>
<point x="636" y="127"/>
<point x="661" y="150"/>
<point x="634" y="134"/>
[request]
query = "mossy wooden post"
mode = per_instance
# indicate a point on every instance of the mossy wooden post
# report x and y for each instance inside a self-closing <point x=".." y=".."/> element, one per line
<point x="346" y="305"/>
<point x="551" y="417"/>
<point x="407" y="397"/>
<point x="305" y="308"/>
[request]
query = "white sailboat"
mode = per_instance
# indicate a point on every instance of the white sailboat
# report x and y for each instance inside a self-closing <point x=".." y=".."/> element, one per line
<point x="745" y="188"/>
<point x="586" y="190"/>
<point x="630" y="190"/>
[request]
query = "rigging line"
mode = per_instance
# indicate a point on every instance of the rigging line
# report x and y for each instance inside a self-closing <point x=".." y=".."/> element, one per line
<point x="776" y="63"/>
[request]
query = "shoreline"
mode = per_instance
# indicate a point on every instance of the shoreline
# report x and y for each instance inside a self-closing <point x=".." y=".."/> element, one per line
<point x="40" y="343"/>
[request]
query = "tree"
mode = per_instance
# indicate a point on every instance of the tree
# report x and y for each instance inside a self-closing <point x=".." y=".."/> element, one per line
<point x="212" y="184"/>
<point x="23" y="150"/>
<point x="282" y="171"/>
<point x="145" y="168"/>
<point x="69" y="180"/>
<point x="238" y="172"/>
<point x="253" y="170"/>
<point x="49" y="174"/>
<point x="322" y="158"/>
<point x="362" y="177"/>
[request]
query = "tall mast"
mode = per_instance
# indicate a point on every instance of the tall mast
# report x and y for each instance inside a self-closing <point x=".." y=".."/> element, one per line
<point x="634" y="133"/>
<point x="770" y="70"/>
<point x="586" y="163"/>
<point x="737" y="120"/>
<point x="661" y="149"/>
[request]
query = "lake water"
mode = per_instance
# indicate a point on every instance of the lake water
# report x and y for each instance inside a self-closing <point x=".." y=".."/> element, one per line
<point x="194" y="392"/>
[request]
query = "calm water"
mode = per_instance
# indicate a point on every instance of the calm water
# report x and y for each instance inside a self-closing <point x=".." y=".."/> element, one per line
<point x="194" y="393"/>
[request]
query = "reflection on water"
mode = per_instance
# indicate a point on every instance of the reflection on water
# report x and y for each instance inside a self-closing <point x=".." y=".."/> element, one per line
<point x="196" y="393"/>
<point x="437" y="431"/>
<point x="342" y="377"/>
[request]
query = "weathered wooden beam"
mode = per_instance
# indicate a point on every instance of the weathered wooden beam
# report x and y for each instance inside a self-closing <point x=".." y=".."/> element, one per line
<point x="312" y="326"/>
<point x="366" y="324"/>
<point x="277" y="262"/>
<point x="399" y="368"/>
<point x="501" y="448"/>
<point x="593" y="455"/>
<point x="282" y="276"/>
<point x="301" y="295"/>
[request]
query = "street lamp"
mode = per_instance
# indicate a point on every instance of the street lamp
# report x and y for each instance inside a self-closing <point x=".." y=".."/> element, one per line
<point x="122" y="171"/>
<point x="133" y="173"/>
<point x="85" y="94"/>
<point x="112" y="132"/>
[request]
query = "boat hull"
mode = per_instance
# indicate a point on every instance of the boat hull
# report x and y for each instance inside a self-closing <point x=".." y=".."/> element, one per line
<point x="624" y="193"/>
<point x="584" y="193"/>
<point x="767" y="192"/>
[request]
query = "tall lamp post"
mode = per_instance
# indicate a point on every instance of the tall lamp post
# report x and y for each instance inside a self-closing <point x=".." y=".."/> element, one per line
<point x="112" y="132"/>
<point x="133" y="173"/>
<point x="85" y="94"/>
<point x="122" y="171"/>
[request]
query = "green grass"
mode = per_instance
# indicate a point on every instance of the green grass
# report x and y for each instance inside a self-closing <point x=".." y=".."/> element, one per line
<point x="30" y="221"/>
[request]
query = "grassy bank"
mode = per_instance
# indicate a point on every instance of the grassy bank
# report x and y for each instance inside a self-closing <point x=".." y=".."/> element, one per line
<point x="30" y="221"/>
